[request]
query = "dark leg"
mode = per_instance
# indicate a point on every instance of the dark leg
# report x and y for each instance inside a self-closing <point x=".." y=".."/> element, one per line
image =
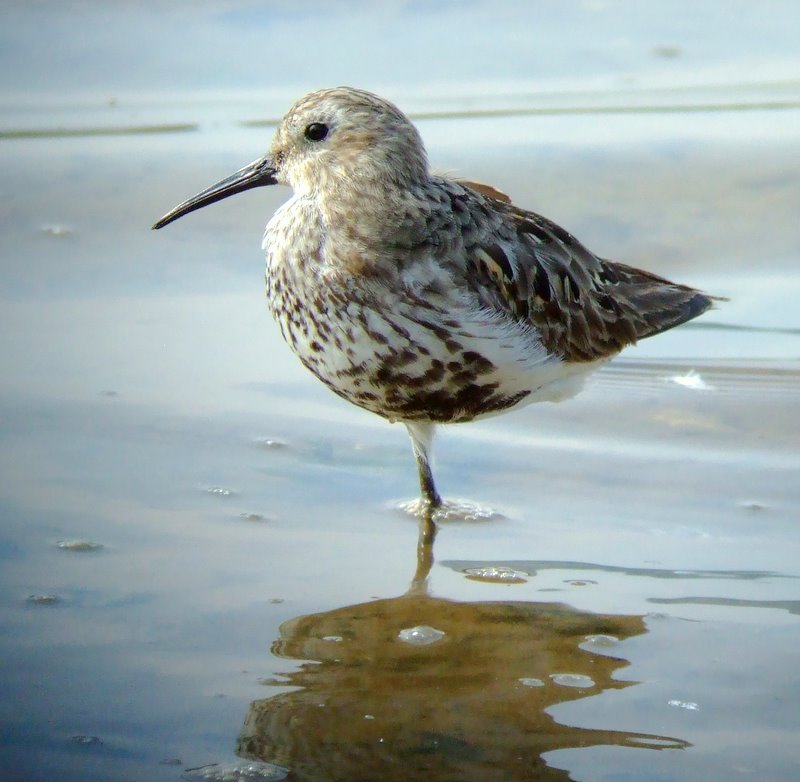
<point x="426" y="484"/>
<point x="427" y="533"/>
<point x="421" y="439"/>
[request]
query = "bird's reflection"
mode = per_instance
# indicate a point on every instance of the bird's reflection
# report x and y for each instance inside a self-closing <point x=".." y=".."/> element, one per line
<point x="469" y="705"/>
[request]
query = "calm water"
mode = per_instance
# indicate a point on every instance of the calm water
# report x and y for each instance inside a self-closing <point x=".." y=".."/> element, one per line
<point x="203" y="561"/>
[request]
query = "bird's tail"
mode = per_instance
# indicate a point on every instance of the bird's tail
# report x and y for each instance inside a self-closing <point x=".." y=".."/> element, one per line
<point x="659" y="303"/>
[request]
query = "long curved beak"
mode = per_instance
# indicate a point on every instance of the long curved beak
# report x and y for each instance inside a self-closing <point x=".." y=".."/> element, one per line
<point x="259" y="173"/>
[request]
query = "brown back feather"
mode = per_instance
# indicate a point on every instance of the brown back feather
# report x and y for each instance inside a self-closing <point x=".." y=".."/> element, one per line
<point x="585" y="308"/>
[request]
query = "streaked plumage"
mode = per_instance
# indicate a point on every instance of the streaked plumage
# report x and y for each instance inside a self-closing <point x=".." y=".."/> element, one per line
<point x="428" y="300"/>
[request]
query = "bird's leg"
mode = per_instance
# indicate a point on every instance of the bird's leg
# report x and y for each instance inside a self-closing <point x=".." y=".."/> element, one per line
<point x="427" y="533"/>
<point x="422" y="439"/>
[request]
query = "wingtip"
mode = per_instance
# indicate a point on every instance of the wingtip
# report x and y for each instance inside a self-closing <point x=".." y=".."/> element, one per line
<point x="698" y="304"/>
<point x="703" y="302"/>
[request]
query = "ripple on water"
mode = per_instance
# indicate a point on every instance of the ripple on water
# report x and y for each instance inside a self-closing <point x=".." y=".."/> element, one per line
<point x="254" y="517"/>
<point x="57" y="230"/>
<point x="270" y="443"/>
<point x="78" y="545"/>
<point x="530" y="681"/>
<point x="421" y="635"/>
<point x="657" y="742"/>
<point x="43" y="600"/>
<point x="450" y="511"/>
<point x="752" y="506"/>
<point x="237" y="772"/>
<point x="691" y="380"/>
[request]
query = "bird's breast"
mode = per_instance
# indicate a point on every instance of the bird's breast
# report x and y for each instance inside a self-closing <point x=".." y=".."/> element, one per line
<point x="403" y="360"/>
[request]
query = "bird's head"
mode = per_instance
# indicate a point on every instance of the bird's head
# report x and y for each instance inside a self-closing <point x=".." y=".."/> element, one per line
<point x="330" y="141"/>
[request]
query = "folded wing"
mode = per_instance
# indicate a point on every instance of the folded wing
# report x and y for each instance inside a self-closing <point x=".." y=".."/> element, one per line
<point x="584" y="307"/>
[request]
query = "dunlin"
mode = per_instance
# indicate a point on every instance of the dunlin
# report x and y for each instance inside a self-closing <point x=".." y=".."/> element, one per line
<point x="424" y="299"/>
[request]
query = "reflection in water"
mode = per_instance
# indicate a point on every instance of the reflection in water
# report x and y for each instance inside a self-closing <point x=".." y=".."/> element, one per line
<point x="468" y="705"/>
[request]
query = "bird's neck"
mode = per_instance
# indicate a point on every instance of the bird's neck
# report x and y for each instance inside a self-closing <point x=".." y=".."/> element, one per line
<point x="373" y="213"/>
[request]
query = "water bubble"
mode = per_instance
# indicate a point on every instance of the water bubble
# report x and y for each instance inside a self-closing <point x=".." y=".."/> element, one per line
<point x="55" y="229"/>
<point x="497" y="574"/>
<point x="601" y="641"/>
<point x="44" y="600"/>
<point x="334" y="639"/>
<point x="238" y="772"/>
<point x="530" y="681"/>
<point x="220" y="491"/>
<point x="78" y="545"/>
<point x="688" y="705"/>
<point x="421" y="635"/>
<point x="577" y="680"/>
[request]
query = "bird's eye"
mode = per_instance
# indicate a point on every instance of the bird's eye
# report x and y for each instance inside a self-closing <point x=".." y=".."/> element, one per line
<point x="316" y="131"/>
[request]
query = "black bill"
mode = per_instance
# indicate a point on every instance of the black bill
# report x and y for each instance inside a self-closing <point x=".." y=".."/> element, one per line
<point x="259" y="173"/>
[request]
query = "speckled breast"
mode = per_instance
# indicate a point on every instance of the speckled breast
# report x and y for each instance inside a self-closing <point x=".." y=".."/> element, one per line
<point x="385" y="362"/>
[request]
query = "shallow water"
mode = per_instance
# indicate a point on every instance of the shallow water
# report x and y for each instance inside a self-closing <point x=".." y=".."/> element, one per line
<point x="204" y="558"/>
